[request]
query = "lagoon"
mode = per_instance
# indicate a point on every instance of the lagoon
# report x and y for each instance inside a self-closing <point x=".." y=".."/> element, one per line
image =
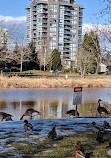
<point x="52" y="103"/>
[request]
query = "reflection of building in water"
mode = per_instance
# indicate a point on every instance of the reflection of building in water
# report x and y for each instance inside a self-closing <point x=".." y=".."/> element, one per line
<point x="49" y="108"/>
<point x="52" y="108"/>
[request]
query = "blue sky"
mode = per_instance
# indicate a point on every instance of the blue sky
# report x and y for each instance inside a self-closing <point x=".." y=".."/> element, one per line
<point x="16" y="8"/>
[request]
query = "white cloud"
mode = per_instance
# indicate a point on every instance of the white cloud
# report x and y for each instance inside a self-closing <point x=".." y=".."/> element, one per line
<point x="12" y="19"/>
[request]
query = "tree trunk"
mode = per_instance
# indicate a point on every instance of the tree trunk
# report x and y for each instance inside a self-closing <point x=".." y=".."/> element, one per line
<point x="97" y="68"/>
<point x="21" y="61"/>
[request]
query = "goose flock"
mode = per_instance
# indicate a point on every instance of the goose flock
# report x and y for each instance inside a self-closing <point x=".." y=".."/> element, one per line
<point x="79" y="151"/>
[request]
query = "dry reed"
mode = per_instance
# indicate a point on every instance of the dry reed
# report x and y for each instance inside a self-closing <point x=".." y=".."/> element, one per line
<point x="18" y="82"/>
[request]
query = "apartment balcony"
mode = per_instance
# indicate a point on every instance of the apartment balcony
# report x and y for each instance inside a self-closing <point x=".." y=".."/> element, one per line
<point x="66" y="49"/>
<point x="67" y="19"/>
<point x="44" y="21"/>
<point x="67" y="41"/>
<point x="44" y="30"/>
<point x="67" y="28"/>
<point x="67" y="9"/>
<point x="66" y="44"/>
<point x="66" y="32"/>
<point x="34" y="13"/>
<point x="42" y="35"/>
<point x="67" y="23"/>
<point x="34" y="32"/>
<point x="66" y="56"/>
<point x="34" y="9"/>
<point x="45" y="7"/>
<point x="43" y="11"/>
<point x="67" y="37"/>
<point x="34" y="27"/>
<point x="34" y="36"/>
<point x="44" y="25"/>
<point x="34" y="22"/>
<point x="43" y="16"/>
<point x="67" y="14"/>
<point x="34" y="18"/>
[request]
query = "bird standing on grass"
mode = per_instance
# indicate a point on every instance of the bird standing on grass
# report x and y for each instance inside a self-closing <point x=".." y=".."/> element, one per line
<point x="106" y="125"/>
<point x="99" y="136"/>
<point x="101" y="110"/>
<point x="52" y="134"/>
<point x="108" y="149"/>
<point x="97" y="128"/>
<point x="27" y="126"/>
<point x="79" y="150"/>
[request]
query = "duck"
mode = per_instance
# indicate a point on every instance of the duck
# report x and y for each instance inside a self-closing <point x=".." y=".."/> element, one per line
<point x="99" y="136"/>
<point x="106" y="125"/>
<point x="52" y="134"/>
<point x="79" y="150"/>
<point x="30" y="112"/>
<point x="27" y="126"/>
<point x="97" y="128"/>
<point x="108" y="149"/>
<point x="5" y="116"/>
<point x="72" y="112"/>
<point x="101" y="110"/>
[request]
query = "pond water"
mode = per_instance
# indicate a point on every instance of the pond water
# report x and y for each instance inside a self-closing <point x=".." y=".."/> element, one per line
<point x="52" y="103"/>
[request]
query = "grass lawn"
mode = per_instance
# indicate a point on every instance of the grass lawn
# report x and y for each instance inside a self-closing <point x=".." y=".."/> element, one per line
<point x="60" y="148"/>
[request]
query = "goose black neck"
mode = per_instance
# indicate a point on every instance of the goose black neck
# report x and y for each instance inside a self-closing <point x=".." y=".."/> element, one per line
<point x="98" y="103"/>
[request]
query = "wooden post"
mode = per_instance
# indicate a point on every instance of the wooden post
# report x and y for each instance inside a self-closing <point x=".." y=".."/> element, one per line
<point x="76" y="111"/>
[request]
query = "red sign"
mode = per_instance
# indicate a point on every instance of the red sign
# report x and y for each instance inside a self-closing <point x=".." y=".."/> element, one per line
<point x="77" y="89"/>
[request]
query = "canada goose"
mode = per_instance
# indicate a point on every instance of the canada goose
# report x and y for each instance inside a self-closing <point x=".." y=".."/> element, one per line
<point x="108" y="149"/>
<point x="30" y="112"/>
<point x="5" y="116"/>
<point x="27" y="126"/>
<point x="106" y="125"/>
<point x="79" y="150"/>
<point x="72" y="112"/>
<point x="52" y="134"/>
<point x="101" y="110"/>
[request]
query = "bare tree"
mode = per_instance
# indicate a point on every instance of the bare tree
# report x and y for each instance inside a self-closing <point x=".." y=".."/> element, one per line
<point x="85" y="61"/>
<point x="43" y="54"/>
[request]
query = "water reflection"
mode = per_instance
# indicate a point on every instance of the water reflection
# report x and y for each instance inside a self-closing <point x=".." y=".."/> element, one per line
<point x="52" y="103"/>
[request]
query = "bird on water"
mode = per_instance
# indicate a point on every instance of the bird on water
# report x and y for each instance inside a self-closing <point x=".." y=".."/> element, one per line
<point x="5" y="116"/>
<point x="27" y="126"/>
<point x="30" y="112"/>
<point x="100" y="109"/>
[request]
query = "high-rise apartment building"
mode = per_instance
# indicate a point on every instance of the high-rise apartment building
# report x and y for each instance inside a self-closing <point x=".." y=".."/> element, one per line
<point x="59" y="22"/>
<point x="4" y="38"/>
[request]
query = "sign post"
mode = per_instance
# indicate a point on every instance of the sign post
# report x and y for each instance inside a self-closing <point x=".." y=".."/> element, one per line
<point x="77" y="97"/>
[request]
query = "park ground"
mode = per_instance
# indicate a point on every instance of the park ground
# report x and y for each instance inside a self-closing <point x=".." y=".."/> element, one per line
<point x="39" y="79"/>
<point x="15" y="142"/>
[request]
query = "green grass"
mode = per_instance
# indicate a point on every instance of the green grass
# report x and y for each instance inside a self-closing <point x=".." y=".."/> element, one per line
<point x="38" y="74"/>
<point x="60" y="148"/>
